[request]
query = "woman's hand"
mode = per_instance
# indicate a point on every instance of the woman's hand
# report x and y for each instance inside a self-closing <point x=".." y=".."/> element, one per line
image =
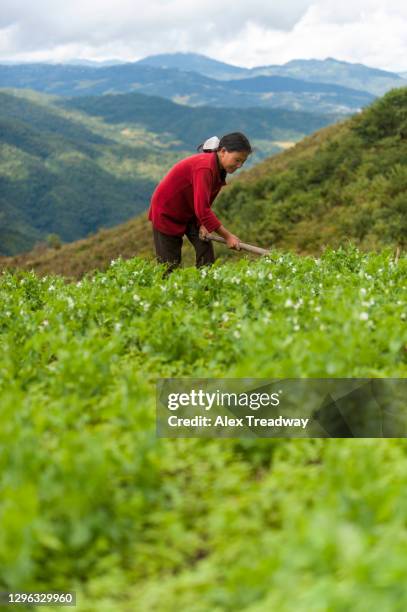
<point x="233" y="242"/>
<point x="203" y="232"/>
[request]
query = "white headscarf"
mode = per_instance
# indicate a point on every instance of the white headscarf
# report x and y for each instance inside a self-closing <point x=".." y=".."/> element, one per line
<point x="211" y="144"/>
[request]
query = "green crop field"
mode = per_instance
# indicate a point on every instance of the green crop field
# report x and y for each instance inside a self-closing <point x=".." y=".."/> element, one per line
<point x="92" y="501"/>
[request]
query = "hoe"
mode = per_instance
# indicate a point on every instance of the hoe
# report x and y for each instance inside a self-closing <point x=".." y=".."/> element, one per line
<point x="243" y="245"/>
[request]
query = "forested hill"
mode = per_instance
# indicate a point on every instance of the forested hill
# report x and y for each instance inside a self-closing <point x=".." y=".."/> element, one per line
<point x="62" y="173"/>
<point x="345" y="182"/>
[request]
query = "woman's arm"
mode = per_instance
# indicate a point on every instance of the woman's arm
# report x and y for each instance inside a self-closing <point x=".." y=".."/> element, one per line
<point x="202" y="186"/>
<point x="206" y="217"/>
<point x="232" y="241"/>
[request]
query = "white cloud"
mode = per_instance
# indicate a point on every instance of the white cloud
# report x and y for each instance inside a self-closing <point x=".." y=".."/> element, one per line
<point x="377" y="38"/>
<point x="241" y="32"/>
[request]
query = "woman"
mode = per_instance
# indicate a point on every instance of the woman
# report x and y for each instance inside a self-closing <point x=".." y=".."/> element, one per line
<point x="181" y="203"/>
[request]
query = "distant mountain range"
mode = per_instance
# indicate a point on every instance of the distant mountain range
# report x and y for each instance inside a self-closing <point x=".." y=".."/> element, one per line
<point x="188" y="87"/>
<point x="71" y="166"/>
<point x="330" y="70"/>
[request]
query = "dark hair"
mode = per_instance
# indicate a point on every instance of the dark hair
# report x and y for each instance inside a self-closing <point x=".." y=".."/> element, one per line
<point x="235" y="141"/>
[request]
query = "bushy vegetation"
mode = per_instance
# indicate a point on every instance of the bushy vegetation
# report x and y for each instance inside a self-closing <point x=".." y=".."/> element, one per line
<point x="347" y="183"/>
<point x="91" y="500"/>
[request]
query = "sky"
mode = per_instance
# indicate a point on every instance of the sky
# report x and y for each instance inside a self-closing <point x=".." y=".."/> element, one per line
<point x="244" y="33"/>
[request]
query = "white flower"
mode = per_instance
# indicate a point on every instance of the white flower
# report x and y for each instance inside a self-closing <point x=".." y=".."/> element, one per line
<point x="288" y="303"/>
<point x="136" y="297"/>
<point x="225" y="316"/>
<point x="45" y="323"/>
<point x="362" y="291"/>
<point x="317" y="308"/>
<point x="364" y="316"/>
<point x="70" y="302"/>
<point x="117" y="326"/>
<point x="51" y="288"/>
<point x="236" y="334"/>
<point x="296" y="328"/>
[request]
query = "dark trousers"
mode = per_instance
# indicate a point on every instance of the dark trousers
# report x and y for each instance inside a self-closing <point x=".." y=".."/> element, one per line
<point x="168" y="248"/>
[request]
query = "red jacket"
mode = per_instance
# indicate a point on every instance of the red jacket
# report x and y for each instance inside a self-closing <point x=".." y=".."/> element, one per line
<point x="186" y="194"/>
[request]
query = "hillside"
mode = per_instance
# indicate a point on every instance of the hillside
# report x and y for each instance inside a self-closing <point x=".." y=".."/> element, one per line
<point x="345" y="182"/>
<point x="95" y="252"/>
<point x="69" y="167"/>
<point x="189" y="88"/>
<point x="132" y="522"/>
<point x="185" y="127"/>
<point x="66" y="174"/>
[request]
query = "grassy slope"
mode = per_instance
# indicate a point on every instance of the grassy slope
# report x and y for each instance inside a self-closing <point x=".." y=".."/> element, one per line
<point x="76" y="259"/>
<point x="133" y="522"/>
<point x="344" y="182"/>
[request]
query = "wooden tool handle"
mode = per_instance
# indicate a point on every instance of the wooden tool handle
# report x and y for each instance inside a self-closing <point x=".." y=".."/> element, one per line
<point x="243" y="245"/>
